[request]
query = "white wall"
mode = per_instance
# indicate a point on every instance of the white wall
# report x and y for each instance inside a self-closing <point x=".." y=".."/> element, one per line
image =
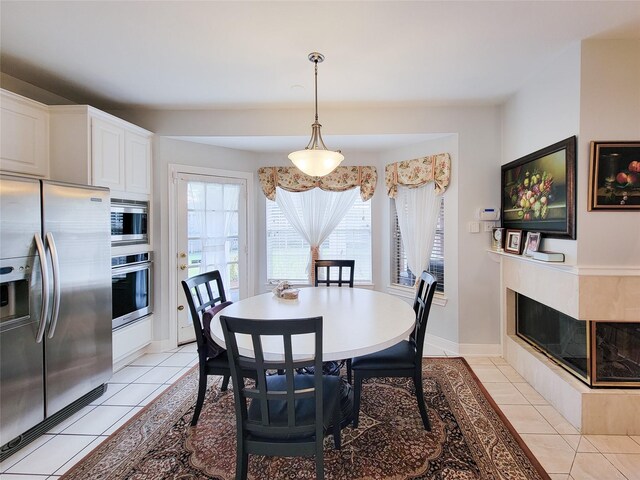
<point x="543" y="112"/>
<point x="610" y="110"/>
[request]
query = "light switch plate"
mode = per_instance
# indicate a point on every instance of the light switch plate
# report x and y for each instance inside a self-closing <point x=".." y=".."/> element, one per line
<point x="474" y="227"/>
<point x="488" y="226"/>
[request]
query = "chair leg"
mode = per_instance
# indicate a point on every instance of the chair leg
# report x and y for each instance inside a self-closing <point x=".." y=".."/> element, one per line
<point x="202" y="389"/>
<point x="349" y="372"/>
<point x="225" y="383"/>
<point x="319" y="460"/>
<point x="417" y="380"/>
<point x="337" y="414"/>
<point x="242" y="463"/>
<point x="356" y="399"/>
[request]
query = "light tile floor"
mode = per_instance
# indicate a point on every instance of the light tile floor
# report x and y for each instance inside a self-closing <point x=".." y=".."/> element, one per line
<point x="562" y="451"/>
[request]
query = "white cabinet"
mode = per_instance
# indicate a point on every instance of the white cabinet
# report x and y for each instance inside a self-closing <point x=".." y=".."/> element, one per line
<point x="137" y="156"/>
<point x="24" y="143"/>
<point x="107" y="152"/>
<point x="131" y="339"/>
<point x="90" y="146"/>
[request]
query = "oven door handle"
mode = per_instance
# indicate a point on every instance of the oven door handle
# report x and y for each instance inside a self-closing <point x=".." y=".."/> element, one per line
<point x="130" y="268"/>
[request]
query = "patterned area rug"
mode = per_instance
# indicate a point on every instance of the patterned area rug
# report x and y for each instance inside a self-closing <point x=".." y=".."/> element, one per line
<point x="469" y="439"/>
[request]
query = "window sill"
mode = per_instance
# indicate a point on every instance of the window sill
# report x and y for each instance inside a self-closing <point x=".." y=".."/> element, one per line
<point x="408" y="292"/>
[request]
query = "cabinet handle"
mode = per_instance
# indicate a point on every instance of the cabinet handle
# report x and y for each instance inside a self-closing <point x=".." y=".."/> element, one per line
<point x="180" y="307"/>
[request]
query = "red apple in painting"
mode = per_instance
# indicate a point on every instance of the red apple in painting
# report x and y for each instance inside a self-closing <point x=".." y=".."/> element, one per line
<point x="633" y="178"/>
<point x="622" y="178"/>
<point x="634" y="166"/>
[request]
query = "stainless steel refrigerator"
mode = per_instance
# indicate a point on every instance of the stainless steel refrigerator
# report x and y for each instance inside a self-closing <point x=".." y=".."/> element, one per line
<point x="55" y="303"/>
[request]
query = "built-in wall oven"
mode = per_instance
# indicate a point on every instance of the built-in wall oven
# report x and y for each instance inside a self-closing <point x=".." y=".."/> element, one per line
<point x="132" y="287"/>
<point x="129" y="222"/>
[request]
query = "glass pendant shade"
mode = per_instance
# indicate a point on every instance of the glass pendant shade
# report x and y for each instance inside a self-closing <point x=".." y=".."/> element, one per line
<point x="316" y="160"/>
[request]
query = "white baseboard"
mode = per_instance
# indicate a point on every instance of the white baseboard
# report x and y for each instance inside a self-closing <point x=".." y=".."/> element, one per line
<point x="480" y="349"/>
<point x="465" y="349"/>
<point x="449" y="347"/>
<point x="159" y="346"/>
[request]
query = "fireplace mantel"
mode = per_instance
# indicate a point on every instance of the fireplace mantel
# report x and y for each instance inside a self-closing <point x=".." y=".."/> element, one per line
<point x="584" y="293"/>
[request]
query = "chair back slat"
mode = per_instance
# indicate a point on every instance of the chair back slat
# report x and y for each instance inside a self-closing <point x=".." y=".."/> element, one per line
<point x="203" y="291"/>
<point x="422" y="305"/>
<point x="327" y="265"/>
<point x="286" y="329"/>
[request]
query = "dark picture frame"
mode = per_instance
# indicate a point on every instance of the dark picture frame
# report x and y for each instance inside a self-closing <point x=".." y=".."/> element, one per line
<point x="513" y="241"/>
<point x="538" y="191"/>
<point x="614" y="176"/>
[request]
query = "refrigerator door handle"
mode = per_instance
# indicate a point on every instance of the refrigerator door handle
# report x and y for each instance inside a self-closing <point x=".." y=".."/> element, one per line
<point x="56" y="284"/>
<point x="45" y="287"/>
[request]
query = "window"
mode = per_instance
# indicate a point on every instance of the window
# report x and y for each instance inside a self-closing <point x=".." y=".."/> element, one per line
<point x="400" y="273"/>
<point x="288" y="254"/>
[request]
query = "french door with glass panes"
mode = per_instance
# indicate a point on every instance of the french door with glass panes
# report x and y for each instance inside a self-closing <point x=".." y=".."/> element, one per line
<point x="212" y="235"/>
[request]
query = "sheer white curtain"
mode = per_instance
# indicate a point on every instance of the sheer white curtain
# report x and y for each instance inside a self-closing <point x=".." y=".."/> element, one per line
<point x="417" y="210"/>
<point x="213" y="210"/>
<point x="314" y="214"/>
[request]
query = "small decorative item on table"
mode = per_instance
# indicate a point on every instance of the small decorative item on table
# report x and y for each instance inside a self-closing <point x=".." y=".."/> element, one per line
<point x="513" y="241"/>
<point x="532" y="243"/>
<point x="283" y="290"/>
<point x="497" y="236"/>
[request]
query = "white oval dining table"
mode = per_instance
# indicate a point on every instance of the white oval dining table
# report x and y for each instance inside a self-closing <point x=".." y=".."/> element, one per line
<point x="355" y="321"/>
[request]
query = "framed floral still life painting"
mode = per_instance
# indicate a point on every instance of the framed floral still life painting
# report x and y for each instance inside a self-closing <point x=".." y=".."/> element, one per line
<point x="614" y="176"/>
<point x="513" y="241"/>
<point x="538" y="191"/>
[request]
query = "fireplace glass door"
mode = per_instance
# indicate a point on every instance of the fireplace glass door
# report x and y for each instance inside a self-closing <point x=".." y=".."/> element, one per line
<point x="562" y="337"/>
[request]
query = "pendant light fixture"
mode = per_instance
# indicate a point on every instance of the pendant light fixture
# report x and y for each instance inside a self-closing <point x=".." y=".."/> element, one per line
<point x="316" y="160"/>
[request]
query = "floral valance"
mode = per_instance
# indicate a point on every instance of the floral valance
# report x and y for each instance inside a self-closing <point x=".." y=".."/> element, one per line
<point x="341" y="179"/>
<point x="418" y="172"/>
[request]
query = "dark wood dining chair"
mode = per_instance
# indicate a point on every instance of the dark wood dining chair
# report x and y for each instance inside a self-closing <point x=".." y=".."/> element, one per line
<point x="403" y="359"/>
<point x="206" y="297"/>
<point x="288" y="414"/>
<point x="330" y="266"/>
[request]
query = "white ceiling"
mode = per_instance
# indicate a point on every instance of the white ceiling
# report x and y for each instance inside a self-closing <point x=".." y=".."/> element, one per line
<point x="237" y="54"/>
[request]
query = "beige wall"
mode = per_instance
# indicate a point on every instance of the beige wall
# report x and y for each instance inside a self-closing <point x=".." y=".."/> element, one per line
<point x="610" y="110"/>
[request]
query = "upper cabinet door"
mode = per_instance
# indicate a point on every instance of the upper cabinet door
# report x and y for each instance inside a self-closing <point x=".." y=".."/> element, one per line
<point x="137" y="163"/>
<point x="107" y="151"/>
<point x="24" y="143"/>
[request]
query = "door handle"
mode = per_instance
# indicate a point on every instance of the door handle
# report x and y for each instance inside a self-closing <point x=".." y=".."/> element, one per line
<point x="183" y="267"/>
<point x="180" y="307"/>
<point x="56" y="283"/>
<point x="45" y="287"/>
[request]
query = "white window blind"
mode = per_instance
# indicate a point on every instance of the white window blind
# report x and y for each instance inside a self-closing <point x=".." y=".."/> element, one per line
<point x="288" y="254"/>
<point x="400" y="273"/>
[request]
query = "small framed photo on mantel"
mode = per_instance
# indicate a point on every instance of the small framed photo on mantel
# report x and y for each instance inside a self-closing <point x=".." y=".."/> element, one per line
<point x="513" y="241"/>
<point x="532" y="243"/>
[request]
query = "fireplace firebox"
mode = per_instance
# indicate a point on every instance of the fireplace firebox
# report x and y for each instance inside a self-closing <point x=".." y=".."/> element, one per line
<point x="601" y="354"/>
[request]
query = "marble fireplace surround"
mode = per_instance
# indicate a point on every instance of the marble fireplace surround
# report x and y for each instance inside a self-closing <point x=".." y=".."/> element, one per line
<point x="584" y="294"/>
